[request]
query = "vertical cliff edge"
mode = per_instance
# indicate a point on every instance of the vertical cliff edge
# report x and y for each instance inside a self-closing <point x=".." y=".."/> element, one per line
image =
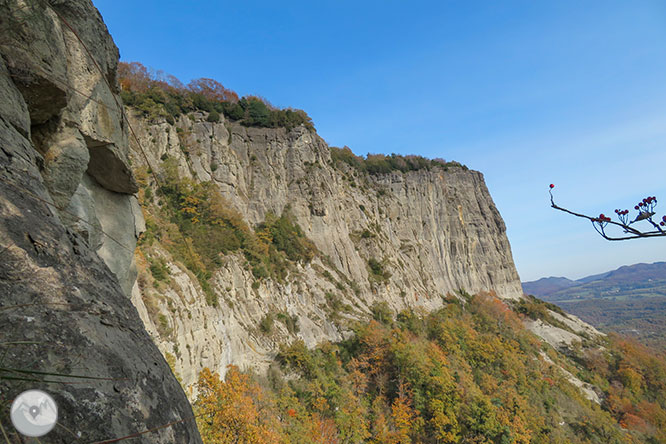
<point x="404" y="239"/>
<point x="70" y="223"/>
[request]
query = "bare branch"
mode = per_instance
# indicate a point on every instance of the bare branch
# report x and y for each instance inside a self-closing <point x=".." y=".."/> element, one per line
<point x="645" y="212"/>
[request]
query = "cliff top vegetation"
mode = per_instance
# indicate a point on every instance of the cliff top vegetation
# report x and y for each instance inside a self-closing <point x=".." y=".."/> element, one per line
<point x="159" y="95"/>
<point x="376" y="164"/>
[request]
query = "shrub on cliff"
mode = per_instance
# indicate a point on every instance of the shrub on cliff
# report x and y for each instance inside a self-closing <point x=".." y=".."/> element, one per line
<point x="199" y="227"/>
<point x="257" y="112"/>
<point x="346" y="155"/>
<point x="377" y="271"/>
<point x="159" y="96"/>
<point x="377" y="164"/>
<point x="213" y="116"/>
<point x="286" y="236"/>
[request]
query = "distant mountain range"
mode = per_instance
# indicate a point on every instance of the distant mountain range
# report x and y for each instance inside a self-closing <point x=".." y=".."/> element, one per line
<point x="629" y="281"/>
<point x="630" y="300"/>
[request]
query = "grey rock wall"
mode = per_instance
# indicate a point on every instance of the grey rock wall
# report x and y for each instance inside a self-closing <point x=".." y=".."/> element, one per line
<point x="64" y="284"/>
<point x="436" y="232"/>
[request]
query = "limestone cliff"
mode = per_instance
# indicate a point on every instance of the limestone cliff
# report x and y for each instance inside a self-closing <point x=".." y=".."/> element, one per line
<point x="71" y="220"/>
<point x="434" y="232"/>
<point x="69" y="225"/>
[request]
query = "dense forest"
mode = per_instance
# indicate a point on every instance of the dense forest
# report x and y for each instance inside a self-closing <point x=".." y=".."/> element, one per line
<point x="468" y="373"/>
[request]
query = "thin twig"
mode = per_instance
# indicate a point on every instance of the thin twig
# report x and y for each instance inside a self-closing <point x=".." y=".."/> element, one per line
<point x="600" y="228"/>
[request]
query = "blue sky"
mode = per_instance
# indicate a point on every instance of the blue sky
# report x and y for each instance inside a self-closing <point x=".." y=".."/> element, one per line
<point x="527" y="92"/>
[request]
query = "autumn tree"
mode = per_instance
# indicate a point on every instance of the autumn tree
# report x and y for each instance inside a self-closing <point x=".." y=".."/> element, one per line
<point x="403" y="415"/>
<point x="231" y="411"/>
<point x="133" y="76"/>
<point x="645" y="213"/>
<point x="159" y="95"/>
<point x="212" y="90"/>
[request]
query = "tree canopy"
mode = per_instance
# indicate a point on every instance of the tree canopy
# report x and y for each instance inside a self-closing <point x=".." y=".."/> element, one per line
<point x="159" y="95"/>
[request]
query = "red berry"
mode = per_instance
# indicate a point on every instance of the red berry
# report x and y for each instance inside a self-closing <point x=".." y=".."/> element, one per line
<point x="552" y="186"/>
<point x="662" y="223"/>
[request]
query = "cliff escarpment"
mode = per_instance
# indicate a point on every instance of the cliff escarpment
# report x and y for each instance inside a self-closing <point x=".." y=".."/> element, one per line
<point x="70" y="223"/>
<point x="375" y="299"/>
<point x="399" y="240"/>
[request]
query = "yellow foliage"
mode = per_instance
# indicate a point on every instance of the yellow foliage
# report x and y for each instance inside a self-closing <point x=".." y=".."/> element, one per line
<point x="403" y="416"/>
<point x="229" y="413"/>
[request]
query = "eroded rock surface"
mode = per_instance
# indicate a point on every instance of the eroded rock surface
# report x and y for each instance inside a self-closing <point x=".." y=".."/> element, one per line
<point x="65" y="285"/>
<point x="435" y="231"/>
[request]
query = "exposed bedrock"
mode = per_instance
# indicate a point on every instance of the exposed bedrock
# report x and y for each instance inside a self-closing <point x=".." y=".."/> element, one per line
<point x="69" y="226"/>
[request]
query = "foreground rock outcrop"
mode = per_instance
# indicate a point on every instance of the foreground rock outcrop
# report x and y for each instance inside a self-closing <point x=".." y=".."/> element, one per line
<point x="69" y="226"/>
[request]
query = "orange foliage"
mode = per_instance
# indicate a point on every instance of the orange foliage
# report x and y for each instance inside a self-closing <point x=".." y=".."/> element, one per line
<point x="229" y="410"/>
<point x="402" y="415"/>
<point x="380" y="426"/>
<point x="133" y="77"/>
<point x="465" y="374"/>
<point x="136" y="77"/>
<point x="357" y="374"/>
<point x="212" y="90"/>
<point x="633" y="422"/>
<point x="322" y="430"/>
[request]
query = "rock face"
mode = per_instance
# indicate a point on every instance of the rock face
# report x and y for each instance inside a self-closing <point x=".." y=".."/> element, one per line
<point x="71" y="220"/>
<point x="435" y="232"/>
<point x="69" y="228"/>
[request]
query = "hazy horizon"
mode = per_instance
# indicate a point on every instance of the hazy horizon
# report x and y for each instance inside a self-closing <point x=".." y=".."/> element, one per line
<point x="528" y="93"/>
<point x="588" y="275"/>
